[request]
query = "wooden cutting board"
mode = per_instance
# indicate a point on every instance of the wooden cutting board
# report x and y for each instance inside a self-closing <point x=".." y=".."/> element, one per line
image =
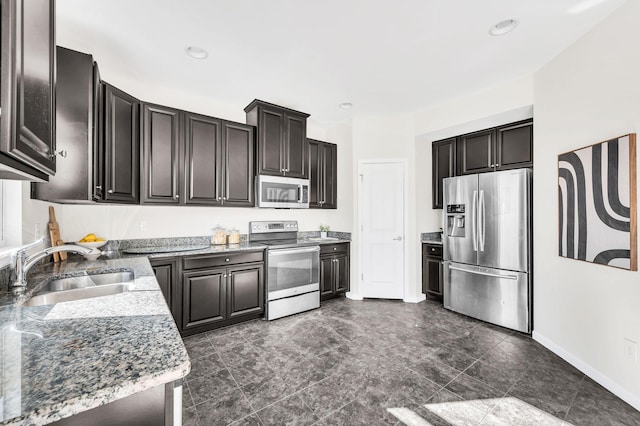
<point x="54" y="233"/>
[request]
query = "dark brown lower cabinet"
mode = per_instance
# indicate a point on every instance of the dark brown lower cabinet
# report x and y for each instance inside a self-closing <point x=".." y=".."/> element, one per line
<point x="334" y="270"/>
<point x="203" y="298"/>
<point x="432" y="270"/>
<point x="217" y="292"/>
<point x="166" y="271"/>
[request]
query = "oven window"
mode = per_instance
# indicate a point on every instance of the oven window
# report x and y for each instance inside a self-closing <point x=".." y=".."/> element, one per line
<point x="275" y="192"/>
<point x="291" y="268"/>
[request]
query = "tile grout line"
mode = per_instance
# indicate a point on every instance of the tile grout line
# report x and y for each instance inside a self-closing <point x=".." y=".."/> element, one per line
<point x="573" y="400"/>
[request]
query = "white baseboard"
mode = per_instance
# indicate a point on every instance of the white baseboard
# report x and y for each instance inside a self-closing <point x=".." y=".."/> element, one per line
<point x="414" y="299"/>
<point x="613" y="386"/>
<point x="353" y="296"/>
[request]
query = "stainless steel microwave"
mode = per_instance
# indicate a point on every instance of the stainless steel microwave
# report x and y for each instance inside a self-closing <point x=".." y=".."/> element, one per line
<point x="282" y="192"/>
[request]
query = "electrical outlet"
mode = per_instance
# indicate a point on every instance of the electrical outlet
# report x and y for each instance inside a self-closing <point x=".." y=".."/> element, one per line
<point x="630" y="350"/>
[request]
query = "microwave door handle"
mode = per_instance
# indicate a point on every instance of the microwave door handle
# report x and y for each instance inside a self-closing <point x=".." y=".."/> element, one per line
<point x="299" y="193"/>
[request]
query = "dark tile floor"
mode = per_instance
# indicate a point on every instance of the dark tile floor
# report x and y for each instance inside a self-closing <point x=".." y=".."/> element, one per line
<point x="385" y="362"/>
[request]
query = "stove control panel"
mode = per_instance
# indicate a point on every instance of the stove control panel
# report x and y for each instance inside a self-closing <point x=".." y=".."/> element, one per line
<point x="264" y="227"/>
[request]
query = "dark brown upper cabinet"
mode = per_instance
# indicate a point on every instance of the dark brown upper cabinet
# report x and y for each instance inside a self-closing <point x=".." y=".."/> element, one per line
<point x="219" y="163"/>
<point x="281" y="139"/>
<point x="238" y="153"/>
<point x="514" y="145"/>
<point x="476" y="152"/>
<point x="501" y="148"/>
<point x="27" y="91"/>
<point x="161" y="154"/>
<point x="121" y="181"/>
<point x="76" y="130"/>
<point x="323" y="191"/>
<point x="444" y="166"/>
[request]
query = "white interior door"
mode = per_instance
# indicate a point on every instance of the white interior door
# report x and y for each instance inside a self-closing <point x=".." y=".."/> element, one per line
<point x="382" y="211"/>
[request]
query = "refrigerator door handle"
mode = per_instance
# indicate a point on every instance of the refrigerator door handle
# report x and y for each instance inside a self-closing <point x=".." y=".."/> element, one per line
<point x="474" y="224"/>
<point x="481" y="221"/>
<point x="487" y="274"/>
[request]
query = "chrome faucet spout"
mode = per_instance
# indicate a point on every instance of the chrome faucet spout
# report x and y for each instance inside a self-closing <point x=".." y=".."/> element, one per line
<point x="24" y="262"/>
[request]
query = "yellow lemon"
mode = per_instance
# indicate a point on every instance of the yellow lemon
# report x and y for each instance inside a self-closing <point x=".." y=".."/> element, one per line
<point x="89" y="238"/>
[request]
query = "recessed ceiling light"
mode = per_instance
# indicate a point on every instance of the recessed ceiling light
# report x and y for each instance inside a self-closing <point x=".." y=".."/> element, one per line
<point x="196" y="52"/>
<point x="345" y="105"/>
<point x="503" y="27"/>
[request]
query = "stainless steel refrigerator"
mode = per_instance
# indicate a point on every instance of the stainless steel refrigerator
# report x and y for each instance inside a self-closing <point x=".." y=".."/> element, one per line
<point x="487" y="247"/>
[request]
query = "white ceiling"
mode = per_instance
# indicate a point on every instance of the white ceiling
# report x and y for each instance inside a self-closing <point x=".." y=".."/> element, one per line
<point x="383" y="56"/>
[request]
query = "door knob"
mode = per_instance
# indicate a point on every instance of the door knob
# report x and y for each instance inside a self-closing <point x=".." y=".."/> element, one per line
<point x="397" y="239"/>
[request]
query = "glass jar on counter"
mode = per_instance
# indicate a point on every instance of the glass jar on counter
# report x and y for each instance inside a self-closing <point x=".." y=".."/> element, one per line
<point x="234" y="236"/>
<point x="219" y="236"/>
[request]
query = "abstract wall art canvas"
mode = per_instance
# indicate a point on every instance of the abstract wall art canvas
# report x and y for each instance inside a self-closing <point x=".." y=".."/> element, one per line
<point x="597" y="203"/>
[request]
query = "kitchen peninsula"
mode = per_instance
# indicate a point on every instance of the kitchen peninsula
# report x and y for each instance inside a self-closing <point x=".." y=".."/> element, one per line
<point x="116" y="358"/>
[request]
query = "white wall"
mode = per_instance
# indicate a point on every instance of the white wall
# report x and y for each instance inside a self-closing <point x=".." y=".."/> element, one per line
<point x="385" y="138"/>
<point x="588" y="94"/>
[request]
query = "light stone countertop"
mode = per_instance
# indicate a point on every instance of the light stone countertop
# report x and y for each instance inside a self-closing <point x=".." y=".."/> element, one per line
<point x="59" y="360"/>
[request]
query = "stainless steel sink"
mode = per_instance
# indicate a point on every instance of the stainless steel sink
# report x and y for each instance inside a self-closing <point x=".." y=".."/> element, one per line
<point x="83" y="287"/>
<point x="70" y="283"/>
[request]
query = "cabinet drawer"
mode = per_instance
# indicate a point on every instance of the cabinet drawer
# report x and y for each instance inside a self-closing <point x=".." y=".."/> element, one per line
<point x="432" y="250"/>
<point x="208" y="260"/>
<point x="334" y="248"/>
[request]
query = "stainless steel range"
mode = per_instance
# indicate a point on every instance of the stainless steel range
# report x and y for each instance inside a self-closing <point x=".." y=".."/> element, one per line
<point x="293" y="268"/>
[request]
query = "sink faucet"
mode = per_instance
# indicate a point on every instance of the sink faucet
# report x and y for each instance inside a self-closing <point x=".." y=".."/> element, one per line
<point x="24" y="262"/>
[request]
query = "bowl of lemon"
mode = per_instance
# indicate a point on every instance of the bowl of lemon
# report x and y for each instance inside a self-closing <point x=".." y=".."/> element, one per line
<point x="92" y="241"/>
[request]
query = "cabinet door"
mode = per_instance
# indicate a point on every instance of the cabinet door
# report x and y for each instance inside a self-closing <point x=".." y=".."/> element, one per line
<point x="98" y="135"/>
<point x="270" y="142"/>
<point x="330" y="175"/>
<point x="315" y="174"/>
<point x="341" y="265"/>
<point x="74" y="130"/>
<point x="238" y="165"/>
<point x="443" y="162"/>
<point x="514" y="146"/>
<point x="204" y="298"/>
<point x="322" y="174"/>
<point x="432" y="274"/>
<point x="203" y="152"/>
<point x="161" y="140"/>
<point x="327" y="277"/>
<point x="296" y="158"/>
<point x="245" y="290"/>
<point x="475" y="152"/>
<point x="166" y="272"/>
<point x="122" y="146"/>
<point x="28" y="83"/>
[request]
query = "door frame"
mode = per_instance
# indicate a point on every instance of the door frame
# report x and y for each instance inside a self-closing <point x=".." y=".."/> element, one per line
<point x="405" y="219"/>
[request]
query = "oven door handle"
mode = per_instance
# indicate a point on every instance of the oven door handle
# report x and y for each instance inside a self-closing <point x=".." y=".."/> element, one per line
<point x="285" y="252"/>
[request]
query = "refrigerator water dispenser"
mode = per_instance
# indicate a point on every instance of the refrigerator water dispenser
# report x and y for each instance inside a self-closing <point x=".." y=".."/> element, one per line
<point x="455" y="220"/>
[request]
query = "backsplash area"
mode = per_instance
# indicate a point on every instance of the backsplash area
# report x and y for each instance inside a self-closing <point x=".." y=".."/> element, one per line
<point x="118" y="245"/>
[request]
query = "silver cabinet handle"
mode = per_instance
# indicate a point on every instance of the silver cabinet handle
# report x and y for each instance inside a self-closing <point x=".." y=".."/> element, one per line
<point x="227" y="259"/>
<point x="110" y="191"/>
<point x="286" y="170"/>
<point x="99" y="187"/>
<point x="62" y="153"/>
<point x="497" y="165"/>
<point x="397" y="239"/>
<point x="219" y="198"/>
<point x="176" y="196"/>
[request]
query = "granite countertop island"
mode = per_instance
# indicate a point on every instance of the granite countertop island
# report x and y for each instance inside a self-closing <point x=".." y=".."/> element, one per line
<point x="63" y="359"/>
